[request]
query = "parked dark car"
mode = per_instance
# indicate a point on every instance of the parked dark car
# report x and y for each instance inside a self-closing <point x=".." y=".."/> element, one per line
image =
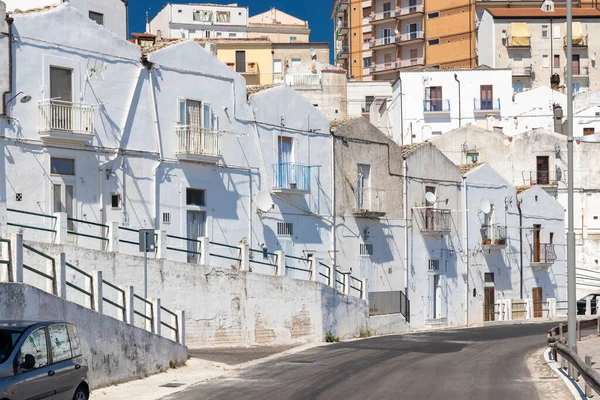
<point x="41" y="360"/>
<point x="581" y="303"/>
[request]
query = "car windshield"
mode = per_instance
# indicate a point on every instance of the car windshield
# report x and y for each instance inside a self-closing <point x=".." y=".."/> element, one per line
<point x="8" y="339"/>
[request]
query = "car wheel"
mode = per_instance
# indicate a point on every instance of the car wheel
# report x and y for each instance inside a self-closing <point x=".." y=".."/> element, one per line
<point x="81" y="394"/>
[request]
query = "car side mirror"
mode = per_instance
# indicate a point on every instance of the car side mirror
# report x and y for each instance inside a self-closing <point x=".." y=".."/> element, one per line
<point x="29" y="362"/>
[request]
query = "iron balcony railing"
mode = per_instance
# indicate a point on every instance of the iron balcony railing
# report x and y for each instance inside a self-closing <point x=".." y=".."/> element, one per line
<point x="291" y="176"/>
<point x="486" y="104"/>
<point x="382" y="41"/>
<point x="370" y="200"/>
<point x="541" y="177"/>
<point x="195" y="140"/>
<point x="343" y="51"/>
<point x="521" y="71"/>
<point x="250" y="68"/>
<point x="390" y="66"/>
<point x="435" y="220"/>
<point x="436" y="105"/>
<point x="493" y="235"/>
<point x="64" y="116"/>
<point x="305" y="80"/>
<point x="543" y="253"/>
<point x="579" y="71"/>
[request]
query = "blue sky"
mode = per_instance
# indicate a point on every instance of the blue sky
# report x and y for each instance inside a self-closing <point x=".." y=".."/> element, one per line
<point x="316" y="12"/>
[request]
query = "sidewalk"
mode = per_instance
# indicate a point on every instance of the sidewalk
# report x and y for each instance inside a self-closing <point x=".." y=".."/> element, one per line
<point x="204" y="364"/>
<point x="589" y="347"/>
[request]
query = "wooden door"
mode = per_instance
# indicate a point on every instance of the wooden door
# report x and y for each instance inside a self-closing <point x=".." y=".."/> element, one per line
<point x="543" y="170"/>
<point x="537" y="302"/>
<point x="240" y="61"/>
<point x="413" y="57"/>
<point x="486" y="92"/>
<point x="537" y="243"/>
<point x="576" y="64"/>
<point x="489" y="307"/>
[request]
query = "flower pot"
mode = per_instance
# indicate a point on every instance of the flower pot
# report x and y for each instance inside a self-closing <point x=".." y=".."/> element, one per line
<point x="292" y="186"/>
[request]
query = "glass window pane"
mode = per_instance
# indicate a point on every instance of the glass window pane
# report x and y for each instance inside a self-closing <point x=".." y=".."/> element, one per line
<point x="56" y="198"/>
<point x="59" y="340"/>
<point x="37" y="346"/>
<point x="69" y="200"/>
<point x="61" y="84"/>
<point x="62" y="166"/>
<point x="75" y="343"/>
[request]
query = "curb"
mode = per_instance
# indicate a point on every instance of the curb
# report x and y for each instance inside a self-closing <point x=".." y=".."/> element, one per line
<point x="569" y="383"/>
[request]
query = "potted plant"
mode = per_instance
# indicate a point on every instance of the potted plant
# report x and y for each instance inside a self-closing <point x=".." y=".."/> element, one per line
<point x="501" y="241"/>
<point x="230" y="64"/>
<point x="487" y="242"/>
<point x="292" y="186"/>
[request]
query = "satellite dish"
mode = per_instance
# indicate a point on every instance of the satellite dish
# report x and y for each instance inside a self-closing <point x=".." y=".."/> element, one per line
<point x="485" y="206"/>
<point x="430" y="197"/>
<point x="264" y="201"/>
<point x="313" y="52"/>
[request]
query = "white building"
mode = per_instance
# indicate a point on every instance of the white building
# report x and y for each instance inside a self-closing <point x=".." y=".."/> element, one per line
<point x="532" y="43"/>
<point x="112" y="14"/>
<point x="134" y="142"/>
<point x="200" y="21"/>
<point x="363" y="94"/>
<point x="430" y="102"/>
<point x="493" y="208"/>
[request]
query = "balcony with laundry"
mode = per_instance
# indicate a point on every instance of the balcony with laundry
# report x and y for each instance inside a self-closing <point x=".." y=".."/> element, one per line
<point x="493" y="237"/>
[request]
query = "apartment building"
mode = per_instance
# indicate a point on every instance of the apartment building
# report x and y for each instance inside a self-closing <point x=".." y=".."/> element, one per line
<point x="176" y="21"/>
<point x="533" y="44"/>
<point x="352" y="33"/>
<point x="278" y="27"/>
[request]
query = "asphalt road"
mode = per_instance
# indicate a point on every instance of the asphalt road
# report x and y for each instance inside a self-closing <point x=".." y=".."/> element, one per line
<point x="479" y="363"/>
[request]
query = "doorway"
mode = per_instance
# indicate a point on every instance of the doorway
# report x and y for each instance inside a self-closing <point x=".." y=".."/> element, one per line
<point x="413" y="57"/>
<point x="537" y="243"/>
<point x="240" y="61"/>
<point x="489" y="303"/>
<point x="536" y="294"/>
<point x="576" y="65"/>
<point x="196" y="227"/>
<point x="63" y="200"/>
<point x="543" y="170"/>
<point x="487" y="95"/>
<point x="285" y="159"/>
<point x="435" y="297"/>
<point x="61" y="95"/>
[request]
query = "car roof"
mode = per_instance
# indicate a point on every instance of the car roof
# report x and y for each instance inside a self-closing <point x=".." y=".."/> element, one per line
<point x="24" y="325"/>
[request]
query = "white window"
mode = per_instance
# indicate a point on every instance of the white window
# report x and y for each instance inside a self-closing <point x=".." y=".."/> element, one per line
<point x="204" y="16"/>
<point x="223" y="16"/>
<point x="196" y="114"/>
<point x="385" y="35"/>
<point x="277" y="67"/>
<point x="545" y="31"/>
<point x="219" y="34"/>
<point x="545" y="61"/>
<point x="296" y="61"/>
<point x="556" y="31"/>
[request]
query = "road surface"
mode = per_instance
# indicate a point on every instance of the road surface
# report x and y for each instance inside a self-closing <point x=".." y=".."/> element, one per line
<point x="479" y="363"/>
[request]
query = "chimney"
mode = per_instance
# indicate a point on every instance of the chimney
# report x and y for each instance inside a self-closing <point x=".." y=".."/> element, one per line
<point x="558" y="118"/>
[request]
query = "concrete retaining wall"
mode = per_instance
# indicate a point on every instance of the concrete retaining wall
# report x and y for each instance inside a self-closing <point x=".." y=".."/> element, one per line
<point x="115" y="351"/>
<point x="387" y="324"/>
<point x="223" y="306"/>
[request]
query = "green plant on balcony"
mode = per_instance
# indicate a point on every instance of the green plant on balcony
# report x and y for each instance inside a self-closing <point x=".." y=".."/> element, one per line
<point x="486" y="241"/>
<point x="500" y="242"/>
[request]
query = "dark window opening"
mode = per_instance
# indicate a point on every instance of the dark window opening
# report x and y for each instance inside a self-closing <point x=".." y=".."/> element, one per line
<point x="195" y="197"/>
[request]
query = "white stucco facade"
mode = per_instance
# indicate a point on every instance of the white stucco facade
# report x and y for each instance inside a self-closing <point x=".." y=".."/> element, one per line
<point x="363" y="94"/>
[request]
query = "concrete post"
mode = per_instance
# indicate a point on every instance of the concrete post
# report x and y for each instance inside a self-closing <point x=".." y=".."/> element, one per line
<point x="332" y="279"/>
<point x="245" y="257"/>
<point x="314" y="268"/>
<point x="16" y="258"/>
<point x="156" y="316"/>
<point x="89" y="287"/>
<point x="161" y="246"/>
<point x="579" y="331"/>
<point x="365" y="295"/>
<point x="529" y="308"/>
<point x="97" y="290"/>
<point x="280" y="263"/>
<point x="346" y="283"/>
<point x="113" y="237"/>
<point x="3" y="218"/>
<point x="51" y="269"/>
<point x="588" y="388"/>
<point x="129" y="305"/>
<point x="60" y="277"/>
<point x="204" y="251"/>
<point x="509" y="310"/>
<point x="181" y="326"/>
<point x="552" y="312"/>
<point x="588" y="307"/>
<point x="61" y="228"/>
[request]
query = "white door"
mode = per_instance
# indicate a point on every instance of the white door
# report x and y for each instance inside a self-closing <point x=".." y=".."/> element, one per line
<point x="366" y="271"/>
<point x="196" y="227"/>
<point x="386" y="36"/>
<point x="438" y="297"/>
<point x="285" y="159"/>
<point x="362" y="186"/>
<point x="63" y="200"/>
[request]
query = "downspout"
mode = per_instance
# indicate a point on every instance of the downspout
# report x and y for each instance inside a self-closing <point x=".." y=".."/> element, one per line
<point x="148" y="66"/>
<point x="126" y="19"/>
<point x="520" y="245"/>
<point x="9" y="21"/>
<point x="406" y="219"/>
<point x="459" y="102"/>
<point x="333" y="205"/>
<point x="551" y="51"/>
<point x="401" y="114"/>
<point x="466" y="239"/>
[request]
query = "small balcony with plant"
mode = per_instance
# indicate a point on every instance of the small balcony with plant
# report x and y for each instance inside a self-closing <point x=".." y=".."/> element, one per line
<point x="291" y="178"/>
<point x="486" y="106"/>
<point x="493" y="237"/>
<point x="543" y="255"/>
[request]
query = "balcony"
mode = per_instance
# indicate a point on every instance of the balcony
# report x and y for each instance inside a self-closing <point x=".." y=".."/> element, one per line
<point x="540" y="177"/>
<point x="388" y="41"/>
<point x="436" y="107"/>
<point x="413" y="62"/>
<point x="343" y="53"/>
<point x="291" y="178"/>
<point x="411" y="37"/>
<point x="384" y="16"/>
<point x="581" y="41"/>
<point x="493" y="237"/>
<point x="198" y="144"/>
<point x="341" y="6"/>
<point x="518" y="42"/>
<point x="309" y="81"/>
<point x="581" y="72"/>
<point x="410" y="11"/>
<point x="249" y="68"/>
<point x="66" y="122"/>
<point x="385" y="67"/>
<point x="521" y="71"/>
<point x="486" y="107"/>
<point x="369" y="203"/>
<point x="342" y="29"/>
<point x="542" y="255"/>
<point x="435" y="221"/>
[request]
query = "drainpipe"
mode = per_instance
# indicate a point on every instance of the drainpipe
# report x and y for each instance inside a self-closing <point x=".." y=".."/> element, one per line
<point x="333" y="204"/>
<point x="149" y="65"/>
<point x="406" y="219"/>
<point x="459" y="102"/>
<point x="127" y="19"/>
<point x="520" y="245"/>
<point x="401" y="114"/>
<point x="9" y="21"/>
<point x="465" y="204"/>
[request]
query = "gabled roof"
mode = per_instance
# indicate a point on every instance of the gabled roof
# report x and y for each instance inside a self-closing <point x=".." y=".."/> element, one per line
<point x="466" y="168"/>
<point x="409" y="148"/>
<point x="536" y="12"/>
<point x="161" y="44"/>
<point x="252" y="90"/>
<point x="34" y="10"/>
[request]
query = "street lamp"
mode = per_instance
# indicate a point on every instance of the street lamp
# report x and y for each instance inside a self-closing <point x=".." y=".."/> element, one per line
<point x="548" y="6"/>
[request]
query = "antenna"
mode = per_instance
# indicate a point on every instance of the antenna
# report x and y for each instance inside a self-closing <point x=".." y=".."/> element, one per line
<point x="264" y="202"/>
<point x="313" y="52"/>
<point x="485" y="206"/>
<point x="430" y="197"/>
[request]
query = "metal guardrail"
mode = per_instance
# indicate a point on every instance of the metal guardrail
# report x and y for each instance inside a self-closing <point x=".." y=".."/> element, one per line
<point x="589" y="375"/>
<point x="239" y="249"/>
<point x="38" y="272"/>
<point x="265" y="255"/>
<point x="37" y="228"/>
<point x="306" y="260"/>
<point x="85" y="274"/>
<point x="329" y="275"/>
<point x="81" y="221"/>
<point x="390" y="302"/>
<point x="198" y="242"/>
<point x="173" y="328"/>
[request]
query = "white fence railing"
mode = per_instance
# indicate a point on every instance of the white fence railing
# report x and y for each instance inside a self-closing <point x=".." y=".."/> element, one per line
<point x="64" y="116"/>
<point x="196" y="140"/>
<point x="305" y="80"/>
<point x="372" y="200"/>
